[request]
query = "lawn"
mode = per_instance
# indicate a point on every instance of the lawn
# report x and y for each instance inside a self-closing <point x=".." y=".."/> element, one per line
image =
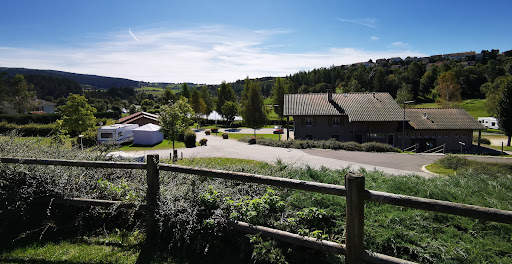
<point x="165" y="144"/>
<point x="475" y="107"/>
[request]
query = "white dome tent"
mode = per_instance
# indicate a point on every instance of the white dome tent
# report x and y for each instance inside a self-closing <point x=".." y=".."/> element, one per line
<point x="147" y="135"/>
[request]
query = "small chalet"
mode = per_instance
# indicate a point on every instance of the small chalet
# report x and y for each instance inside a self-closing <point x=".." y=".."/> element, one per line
<point x="367" y="117"/>
<point x="140" y="118"/>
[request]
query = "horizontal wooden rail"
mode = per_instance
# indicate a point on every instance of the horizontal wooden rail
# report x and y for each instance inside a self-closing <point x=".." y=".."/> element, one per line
<point x="77" y="163"/>
<point x="383" y="259"/>
<point x="255" y="178"/>
<point x="439" y="206"/>
<point x="292" y="238"/>
<point x="90" y="202"/>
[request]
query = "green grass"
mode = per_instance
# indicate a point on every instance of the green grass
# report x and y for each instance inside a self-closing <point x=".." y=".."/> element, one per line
<point x="69" y="252"/>
<point x="165" y="144"/>
<point x="475" y="107"/>
<point x="435" y="168"/>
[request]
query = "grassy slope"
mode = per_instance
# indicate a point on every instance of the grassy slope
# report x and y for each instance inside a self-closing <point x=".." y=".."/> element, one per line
<point x="475" y="107"/>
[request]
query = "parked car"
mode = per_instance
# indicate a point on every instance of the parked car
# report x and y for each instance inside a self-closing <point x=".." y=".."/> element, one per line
<point x="278" y="130"/>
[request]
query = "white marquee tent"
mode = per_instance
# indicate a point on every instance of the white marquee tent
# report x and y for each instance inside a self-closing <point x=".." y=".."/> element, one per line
<point x="147" y="135"/>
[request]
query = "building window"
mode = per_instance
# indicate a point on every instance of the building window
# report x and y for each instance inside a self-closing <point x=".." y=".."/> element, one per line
<point x="377" y="135"/>
<point x="308" y="122"/>
<point x="335" y="121"/>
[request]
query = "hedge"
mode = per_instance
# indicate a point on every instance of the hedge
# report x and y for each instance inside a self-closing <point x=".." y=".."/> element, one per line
<point x="28" y="130"/>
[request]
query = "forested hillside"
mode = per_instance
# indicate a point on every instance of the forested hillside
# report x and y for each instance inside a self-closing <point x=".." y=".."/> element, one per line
<point x="98" y="82"/>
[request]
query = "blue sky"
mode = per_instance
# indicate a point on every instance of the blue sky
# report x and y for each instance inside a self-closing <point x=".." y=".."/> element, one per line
<point x="212" y="41"/>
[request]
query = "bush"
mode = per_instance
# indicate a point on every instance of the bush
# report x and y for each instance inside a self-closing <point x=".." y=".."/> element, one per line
<point x="252" y="140"/>
<point x="32" y="118"/>
<point x="28" y="130"/>
<point x="378" y="147"/>
<point x="90" y="138"/>
<point x="453" y="162"/>
<point x="203" y="141"/>
<point x="189" y="138"/>
<point x="482" y="140"/>
<point x="207" y="132"/>
<point x="108" y="115"/>
<point x="215" y="130"/>
<point x="225" y="135"/>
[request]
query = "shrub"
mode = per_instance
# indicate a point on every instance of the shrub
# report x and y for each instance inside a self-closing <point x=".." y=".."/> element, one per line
<point x="28" y="130"/>
<point x="203" y="141"/>
<point x="27" y="119"/>
<point x="215" y="130"/>
<point x="482" y="140"/>
<point x="190" y="138"/>
<point x="351" y="146"/>
<point x="90" y="138"/>
<point x="252" y="141"/>
<point x="225" y="135"/>
<point x="453" y="162"/>
<point x="207" y="132"/>
<point x="378" y="147"/>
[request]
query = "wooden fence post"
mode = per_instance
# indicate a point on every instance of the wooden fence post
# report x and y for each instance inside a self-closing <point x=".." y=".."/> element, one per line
<point x="355" y="218"/>
<point x="153" y="191"/>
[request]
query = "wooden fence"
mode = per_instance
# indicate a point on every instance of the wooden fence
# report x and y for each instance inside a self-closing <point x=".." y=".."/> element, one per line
<point x="354" y="191"/>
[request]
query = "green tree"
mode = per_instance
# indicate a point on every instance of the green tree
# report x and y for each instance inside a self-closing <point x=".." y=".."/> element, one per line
<point x="404" y="94"/>
<point x="168" y="96"/>
<point x="198" y="105"/>
<point x="353" y="86"/>
<point x="78" y="115"/>
<point x="504" y="112"/>
<point x="281" y="87"/>
<point x="207" y="97"/>
<point x="20" y="94"/>
<point x="230" y="110"/>
<point x="448" y="89"/>
<point x="226" y="93"/>
<point x="253" y="111"/>
<point x="493" y="93"/>
<point x="147" y="104"/>
<point x="174" y="119"/>
<point x="428" y="81"/>
<point x="185" y="92"/>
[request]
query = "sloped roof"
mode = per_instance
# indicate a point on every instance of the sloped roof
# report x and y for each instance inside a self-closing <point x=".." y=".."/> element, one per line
<point x="442" y="118"/>
<point x="148" y="127"/>
<point x="357" y="106"/>
<point x="138" y="115"/>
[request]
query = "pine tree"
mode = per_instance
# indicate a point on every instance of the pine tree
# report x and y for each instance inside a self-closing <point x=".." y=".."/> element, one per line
<point x="253" y="113"/>
<point x="505" y="108"/>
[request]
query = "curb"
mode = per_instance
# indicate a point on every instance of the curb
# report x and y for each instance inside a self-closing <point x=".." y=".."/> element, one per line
<point x="429" y="172"/>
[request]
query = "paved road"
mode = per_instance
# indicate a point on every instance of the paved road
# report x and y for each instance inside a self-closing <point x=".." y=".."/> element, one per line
<point x="392" y="163"/>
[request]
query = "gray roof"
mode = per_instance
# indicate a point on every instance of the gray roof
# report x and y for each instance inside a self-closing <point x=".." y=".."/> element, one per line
<point x="357" y="106"/>
<point x="442" y="118"/>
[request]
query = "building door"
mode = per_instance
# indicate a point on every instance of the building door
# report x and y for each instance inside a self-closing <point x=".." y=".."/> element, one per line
<point x="391" y="139"/>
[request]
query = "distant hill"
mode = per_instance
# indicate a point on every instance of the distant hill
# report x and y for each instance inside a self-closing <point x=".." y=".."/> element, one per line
<point x="100" y="82"/>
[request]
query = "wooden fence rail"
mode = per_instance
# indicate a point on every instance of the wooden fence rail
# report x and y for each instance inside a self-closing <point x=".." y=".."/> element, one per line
<point x="354" y="191"/>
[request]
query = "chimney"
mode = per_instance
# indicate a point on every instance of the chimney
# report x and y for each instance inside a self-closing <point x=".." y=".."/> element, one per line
<point x="425" y="115"/>
<point x="329" y="95"/>
<point x="373" y="94"/>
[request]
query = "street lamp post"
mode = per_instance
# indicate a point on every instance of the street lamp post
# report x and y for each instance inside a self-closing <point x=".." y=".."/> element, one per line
<point x="81" y="142"/>
<point x="403" y="124"/>
<point x="277" y="106"/>
<point x="461" y="144"/>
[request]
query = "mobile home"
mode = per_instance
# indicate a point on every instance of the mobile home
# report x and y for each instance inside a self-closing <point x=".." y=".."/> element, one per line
<point x="489" y="122"/>
<point x="116" y="134"/>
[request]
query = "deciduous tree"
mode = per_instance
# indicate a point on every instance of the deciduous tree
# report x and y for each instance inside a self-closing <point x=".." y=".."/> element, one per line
<point x="78" y="115"/>
<point x="448" y="89"/>
<point x="225" y="94"/>
<point x="174" y="119"/>
<point x="20" y="94"/>
<point x="280" y="88"/>
<point x="230" y="110"/>
<point x="504" y="111"/>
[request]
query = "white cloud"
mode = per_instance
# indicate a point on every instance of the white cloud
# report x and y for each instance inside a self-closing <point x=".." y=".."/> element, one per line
<point x="374" y="38"/>
<point x="201" y="55"/>
<point x="399" y="44"/>
<point x="368" y="22"/>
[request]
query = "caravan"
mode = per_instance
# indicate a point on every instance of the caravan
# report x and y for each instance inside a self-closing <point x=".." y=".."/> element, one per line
<point x="489" y="122"/>
<point x="116" y="134"/>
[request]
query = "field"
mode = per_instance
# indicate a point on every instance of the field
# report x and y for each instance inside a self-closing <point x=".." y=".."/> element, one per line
<point x="475" y="107"/>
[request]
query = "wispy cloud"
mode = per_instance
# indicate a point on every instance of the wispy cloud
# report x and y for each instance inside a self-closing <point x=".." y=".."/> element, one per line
<point x="133" y="35"/>
<point x="368" y="22"/>
<point x="202" y="55"/>
<point x="399" y="44"/>
<point x="374" y="38"/>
